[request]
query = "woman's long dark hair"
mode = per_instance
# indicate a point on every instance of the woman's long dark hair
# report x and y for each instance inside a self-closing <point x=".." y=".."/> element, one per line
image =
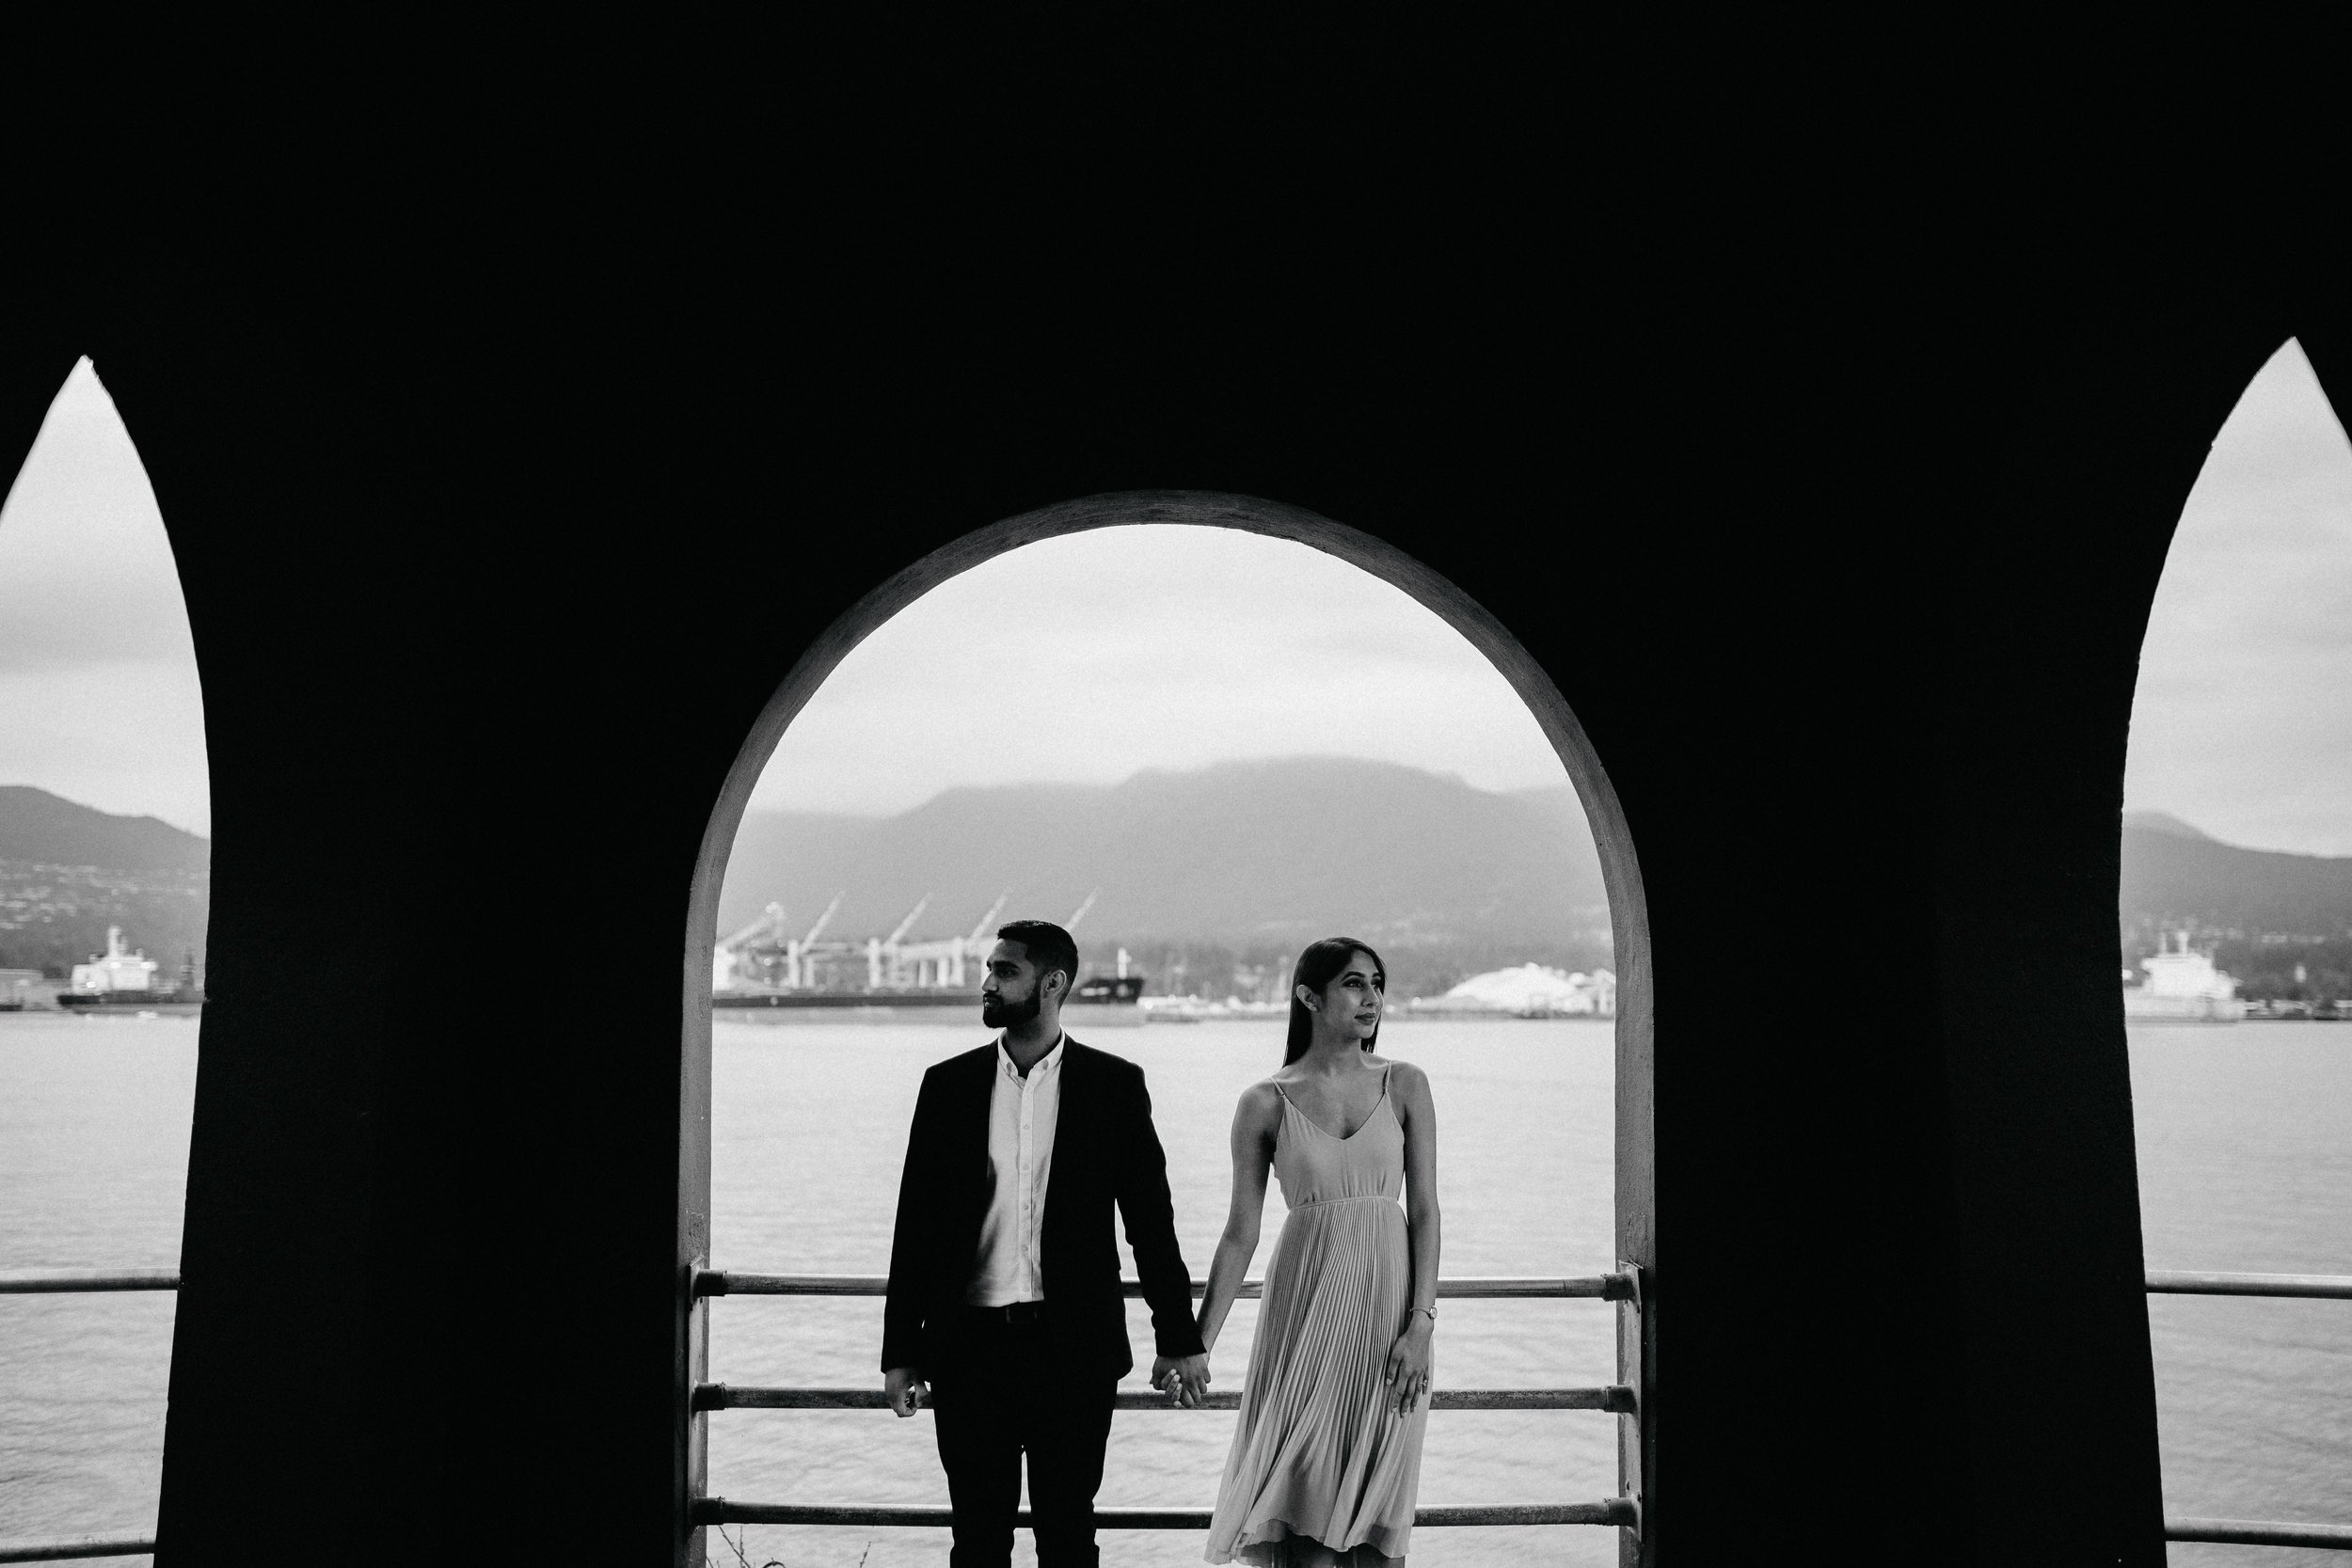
<point x="1317" y="967"/>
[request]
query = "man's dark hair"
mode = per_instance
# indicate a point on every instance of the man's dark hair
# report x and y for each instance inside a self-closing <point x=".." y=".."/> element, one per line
<point x="1047" y="945"/>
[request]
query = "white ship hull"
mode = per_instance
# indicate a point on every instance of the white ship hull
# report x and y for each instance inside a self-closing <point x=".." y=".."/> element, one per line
<point x="2141" y="1009"/>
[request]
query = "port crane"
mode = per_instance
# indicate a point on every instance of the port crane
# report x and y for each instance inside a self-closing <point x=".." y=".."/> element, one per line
<point x="799" y="971"/>
<point x="908" y="923"/>
<point x="825" y="920"/>
<point x="987" y="928"/>
<point x="762" y="955"/>
<point x="766" y="931"/>
<point x="769" y="924"/>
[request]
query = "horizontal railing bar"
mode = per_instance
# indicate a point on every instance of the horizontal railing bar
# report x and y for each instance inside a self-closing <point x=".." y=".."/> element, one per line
<point x="2200" y="1282"/>
<point x="728" y="1282"/>
<point x="79" y="1547"/>
<point x="721" y="1511"/>
<point x="1616" y="1398"/>
<point x="2254" y="1532"/>
<point x="34" y="1282"/>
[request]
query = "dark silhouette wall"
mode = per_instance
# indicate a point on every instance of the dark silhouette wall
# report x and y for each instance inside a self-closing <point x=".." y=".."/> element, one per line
<point x="497" y="544"/>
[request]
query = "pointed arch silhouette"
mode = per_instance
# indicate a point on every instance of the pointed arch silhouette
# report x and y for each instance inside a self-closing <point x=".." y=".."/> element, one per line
<point x="2232" y="884"/>
<point x="105" y="793"/>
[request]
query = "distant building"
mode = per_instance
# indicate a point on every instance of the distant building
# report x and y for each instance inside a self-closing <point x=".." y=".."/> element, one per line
<point x="1532" y="991"/>
<point x="16" y="988"/>
<point x="114" y="969"/>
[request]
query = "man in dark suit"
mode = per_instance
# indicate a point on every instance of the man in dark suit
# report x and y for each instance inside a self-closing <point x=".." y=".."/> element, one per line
<point x="1005" y="1313"/>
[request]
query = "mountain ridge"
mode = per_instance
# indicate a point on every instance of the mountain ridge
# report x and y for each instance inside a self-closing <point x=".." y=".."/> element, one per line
<point x="50" y="829"/>
<point x="1261" y="853"/>
<point x="2179" y="880"/>
<point x="1265" y="848"/>
<point x="2165" y="822"/>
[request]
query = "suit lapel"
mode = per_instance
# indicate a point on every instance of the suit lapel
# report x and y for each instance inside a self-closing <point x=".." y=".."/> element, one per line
<point x="1072" y="1118"/>
<point x="969" y="1160"/>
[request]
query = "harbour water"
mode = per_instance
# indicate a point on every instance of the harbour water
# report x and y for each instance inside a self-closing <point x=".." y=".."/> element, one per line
<point x="2246" y="1163"/>
<point x="1524" y="1113"/>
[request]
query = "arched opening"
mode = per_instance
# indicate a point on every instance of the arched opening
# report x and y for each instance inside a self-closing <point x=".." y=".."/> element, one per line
<point x="1629" y="1232"/>
<point x="104" y="866"/>
<point x="2236" y="923"/>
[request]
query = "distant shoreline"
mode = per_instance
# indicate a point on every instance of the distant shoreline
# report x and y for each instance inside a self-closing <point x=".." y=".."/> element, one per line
<point x="785" y="1018"/>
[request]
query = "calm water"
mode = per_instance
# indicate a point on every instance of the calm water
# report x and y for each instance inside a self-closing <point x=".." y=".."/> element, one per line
<point x="1524" y="1143"/>
<point x="2246" y="1163"/>
<point x="93" y="1165"/>
<point x="2245" y="1148"/>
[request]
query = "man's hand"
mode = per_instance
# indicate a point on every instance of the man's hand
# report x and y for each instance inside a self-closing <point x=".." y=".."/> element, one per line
<point x="1182" y="1378"/>
<point x="906" y="1389"/>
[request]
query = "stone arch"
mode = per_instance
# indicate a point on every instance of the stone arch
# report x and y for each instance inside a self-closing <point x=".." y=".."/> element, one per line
<point x="1620" y="866"/>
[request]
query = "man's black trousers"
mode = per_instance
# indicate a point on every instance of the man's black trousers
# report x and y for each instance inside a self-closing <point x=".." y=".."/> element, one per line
<point x="1003" y="1392"/>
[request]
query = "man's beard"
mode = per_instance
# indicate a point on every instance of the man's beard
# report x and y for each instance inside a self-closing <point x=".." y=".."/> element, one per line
<point x="997" y="1013"/>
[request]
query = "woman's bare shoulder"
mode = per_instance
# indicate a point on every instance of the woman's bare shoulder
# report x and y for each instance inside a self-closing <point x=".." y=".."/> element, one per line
<point x="1260" y="1110"/>
<point x="1262" y="1098"/>
<point x="1408" y="1079"/>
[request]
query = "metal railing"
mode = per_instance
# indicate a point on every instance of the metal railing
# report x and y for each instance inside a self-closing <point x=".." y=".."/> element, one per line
<point x="718" y="1510"/>
<point x="719" y="1282"/>
<point x="45" y="1282"/>
<point x="1618" y="1399"/>
<point x="67" y="1551"/>
<point x="2197" y="1282"/>
<point x="2253" y="1532"/>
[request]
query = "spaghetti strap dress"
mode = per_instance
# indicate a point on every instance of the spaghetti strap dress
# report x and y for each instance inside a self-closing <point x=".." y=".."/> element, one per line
<point x="1323" y="1470"/>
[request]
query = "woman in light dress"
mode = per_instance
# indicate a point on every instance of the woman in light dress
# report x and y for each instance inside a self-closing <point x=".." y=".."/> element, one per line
<point x="1326" y="1460"/>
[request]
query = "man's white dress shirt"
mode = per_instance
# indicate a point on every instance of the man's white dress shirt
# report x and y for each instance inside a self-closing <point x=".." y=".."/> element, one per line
<point x="1021" y="1114"/>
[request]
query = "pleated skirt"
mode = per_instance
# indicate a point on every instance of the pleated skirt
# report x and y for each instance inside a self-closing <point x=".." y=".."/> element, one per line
<point x="1322" y="1470"/>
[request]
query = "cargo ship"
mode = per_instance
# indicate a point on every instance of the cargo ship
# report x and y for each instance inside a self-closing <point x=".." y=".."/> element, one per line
<point x="835" y="1001"/>
<point x="2181" y="987"/>
<point x="1099" y="1001"/>
<point x="764" y="969"/>
<point x="122" y="981"/>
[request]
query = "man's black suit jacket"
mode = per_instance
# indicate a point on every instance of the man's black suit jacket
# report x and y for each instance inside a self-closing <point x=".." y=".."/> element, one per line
<point x="1105" y="1151"/>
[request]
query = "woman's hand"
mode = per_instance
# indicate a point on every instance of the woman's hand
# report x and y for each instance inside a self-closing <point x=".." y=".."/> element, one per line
<point x="1185" y="1379"/>
<point x="1408" y="1363"/>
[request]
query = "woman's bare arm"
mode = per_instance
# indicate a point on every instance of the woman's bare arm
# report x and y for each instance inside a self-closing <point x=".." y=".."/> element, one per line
<point x="1254" y="1121"/>
<point x="1408" y="1358"/>
<point x="1421" y="1179"/>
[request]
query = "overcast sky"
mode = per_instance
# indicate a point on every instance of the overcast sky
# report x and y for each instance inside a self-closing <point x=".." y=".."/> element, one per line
<point x="1091" y="656"/>
<point x="2243" y="723"/>
<point x="99" y="699"/>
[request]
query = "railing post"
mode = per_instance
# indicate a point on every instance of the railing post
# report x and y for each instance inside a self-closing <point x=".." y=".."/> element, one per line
<point x="697" y="1421"/>
<point x="1634" y="1439"/>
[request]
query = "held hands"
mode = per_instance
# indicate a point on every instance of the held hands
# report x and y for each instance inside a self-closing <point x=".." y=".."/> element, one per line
<point x="906" y="1391"/>
<point x="1408" y="1363"/>
<point x="1185" y="1379"/>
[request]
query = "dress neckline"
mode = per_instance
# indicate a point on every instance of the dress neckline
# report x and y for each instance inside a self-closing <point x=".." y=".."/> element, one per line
<point x="1359" y="1126"/>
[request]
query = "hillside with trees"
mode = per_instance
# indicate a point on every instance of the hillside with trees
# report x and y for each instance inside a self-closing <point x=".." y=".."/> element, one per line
<point x="2281" y="924"/>
<point x="69" y="871"/>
